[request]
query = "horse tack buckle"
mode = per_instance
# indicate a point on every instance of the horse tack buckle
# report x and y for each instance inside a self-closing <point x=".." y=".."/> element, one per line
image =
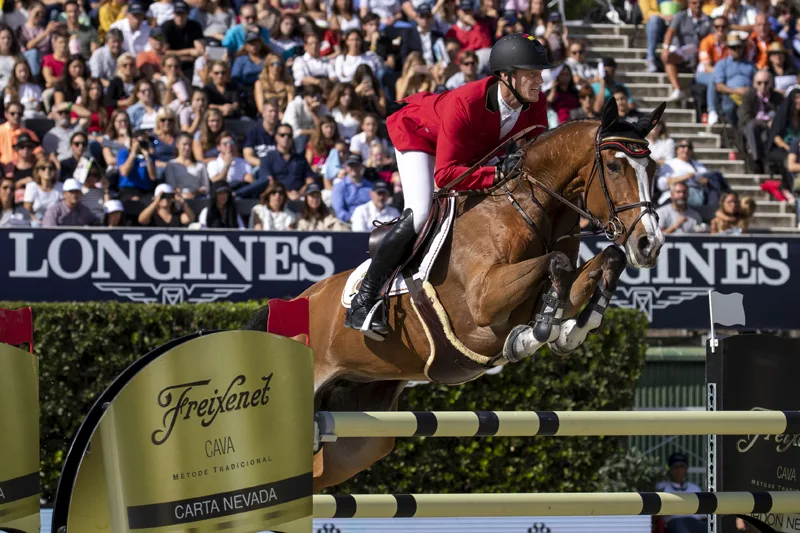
<point x="614" y="228"/>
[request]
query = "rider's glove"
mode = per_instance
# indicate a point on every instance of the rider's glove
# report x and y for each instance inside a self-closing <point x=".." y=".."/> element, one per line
<point x="507" y="164"/>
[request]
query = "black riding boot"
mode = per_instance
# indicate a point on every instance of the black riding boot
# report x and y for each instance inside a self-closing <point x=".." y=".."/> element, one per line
<point x="393" y="248"/>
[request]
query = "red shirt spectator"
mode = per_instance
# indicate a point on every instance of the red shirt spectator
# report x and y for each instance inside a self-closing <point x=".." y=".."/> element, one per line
<point x="759" y="41"/>
<point x="470" y="33"/>
<point x="54" y="64"/>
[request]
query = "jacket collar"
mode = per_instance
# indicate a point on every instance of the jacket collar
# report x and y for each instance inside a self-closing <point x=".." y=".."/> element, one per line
<point x="492" y="95"/>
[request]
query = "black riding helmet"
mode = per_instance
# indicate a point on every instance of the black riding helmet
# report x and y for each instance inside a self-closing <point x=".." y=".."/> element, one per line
<point x="517" y="51"/>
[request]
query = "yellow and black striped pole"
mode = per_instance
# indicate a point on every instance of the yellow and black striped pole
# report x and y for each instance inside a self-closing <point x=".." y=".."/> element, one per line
<point x="553" y="504"/>
<point x="554" y="423"/>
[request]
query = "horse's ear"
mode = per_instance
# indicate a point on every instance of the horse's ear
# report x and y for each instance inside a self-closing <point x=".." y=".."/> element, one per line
<point x="610" y="114"/>
<point x="648" y="122"/>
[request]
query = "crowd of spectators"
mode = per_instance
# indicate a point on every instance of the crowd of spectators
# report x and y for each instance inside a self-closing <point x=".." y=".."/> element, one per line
<point x="744" y="58"/>
<point x="271" y="116"/>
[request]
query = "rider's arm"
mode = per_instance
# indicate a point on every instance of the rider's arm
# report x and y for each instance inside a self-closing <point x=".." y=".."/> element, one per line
<point x="453" y="149"/>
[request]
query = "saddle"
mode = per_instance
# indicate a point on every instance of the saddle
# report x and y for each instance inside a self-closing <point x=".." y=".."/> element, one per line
<point x="436" y="217"/>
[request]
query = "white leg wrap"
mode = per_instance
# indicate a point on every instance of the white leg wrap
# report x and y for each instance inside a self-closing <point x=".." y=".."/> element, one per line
<point x="572" y="336"/>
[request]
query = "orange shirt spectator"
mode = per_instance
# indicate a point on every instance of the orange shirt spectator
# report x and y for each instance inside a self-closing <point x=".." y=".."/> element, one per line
<point x="10" y="130"/>
<point x="757" y="50"/>
<point x="711" y="50"/>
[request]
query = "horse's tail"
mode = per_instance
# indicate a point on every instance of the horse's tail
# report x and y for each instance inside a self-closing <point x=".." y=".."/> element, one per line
<point x="258" y="322"/>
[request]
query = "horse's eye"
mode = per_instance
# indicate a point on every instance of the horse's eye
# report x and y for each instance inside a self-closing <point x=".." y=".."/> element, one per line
<point x="614" y="167"/>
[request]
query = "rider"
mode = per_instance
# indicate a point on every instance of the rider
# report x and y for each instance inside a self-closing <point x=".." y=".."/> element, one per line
<point x="450" y="132"/>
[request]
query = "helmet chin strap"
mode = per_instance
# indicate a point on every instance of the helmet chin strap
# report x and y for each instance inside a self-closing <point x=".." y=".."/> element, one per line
<point x="518" y="96"/>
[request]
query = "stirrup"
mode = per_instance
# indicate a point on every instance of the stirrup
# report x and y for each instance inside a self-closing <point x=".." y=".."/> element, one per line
<point x="365" y="327"/>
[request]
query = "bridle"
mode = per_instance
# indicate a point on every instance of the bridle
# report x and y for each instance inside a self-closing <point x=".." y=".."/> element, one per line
<point x="613" y="229"/>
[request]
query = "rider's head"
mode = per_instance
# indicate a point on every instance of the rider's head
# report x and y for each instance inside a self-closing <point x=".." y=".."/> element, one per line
<point x="517" y="60"/>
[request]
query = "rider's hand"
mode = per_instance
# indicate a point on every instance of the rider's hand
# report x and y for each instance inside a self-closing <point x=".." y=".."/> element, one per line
<point x="507" y="164"/>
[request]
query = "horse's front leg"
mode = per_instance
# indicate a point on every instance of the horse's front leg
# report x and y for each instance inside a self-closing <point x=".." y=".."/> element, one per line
<point x="506" y="287"/>
<point x="594" y="287"/>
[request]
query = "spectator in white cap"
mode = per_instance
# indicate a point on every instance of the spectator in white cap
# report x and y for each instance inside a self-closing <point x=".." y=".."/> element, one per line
<point x="376" y="209"/>
<point x="114" y="214"/>
<point x="135" y="30"/>
<point x="167" y="210"/>
<point x="69" y="211"/>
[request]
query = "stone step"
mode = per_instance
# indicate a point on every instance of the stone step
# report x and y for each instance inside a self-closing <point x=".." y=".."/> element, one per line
<point x="598" y="52"/>
<point x="723" y="165"/>
<point x="601" y="40"/>
<point x="652" y="78"/>
<point x="715" y="154"/>
<point x="687" y="125"/>
<point x="673" y="115"/>
<point x="640" y="90"/>
<point x="774" y="220"/>
<point x="684" y="102"/>
<point x="707" y="140"/>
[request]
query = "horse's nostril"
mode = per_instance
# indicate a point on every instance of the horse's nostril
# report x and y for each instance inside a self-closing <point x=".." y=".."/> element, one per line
<point x="643" y="243"/>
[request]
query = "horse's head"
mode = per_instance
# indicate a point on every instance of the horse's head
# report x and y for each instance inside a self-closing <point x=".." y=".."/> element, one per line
<point x="618" y="191"/>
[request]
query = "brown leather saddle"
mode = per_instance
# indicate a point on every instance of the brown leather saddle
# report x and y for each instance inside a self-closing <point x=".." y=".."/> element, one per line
<point x="436" y="217"/>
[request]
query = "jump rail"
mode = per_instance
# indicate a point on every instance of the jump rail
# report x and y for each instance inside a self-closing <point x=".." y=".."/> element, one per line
<point x="331" y="425"/>
<point x="552" y="504"/>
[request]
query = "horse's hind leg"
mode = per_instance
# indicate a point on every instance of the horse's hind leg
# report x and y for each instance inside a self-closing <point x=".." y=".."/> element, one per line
<point x="339" y="461"/>
<point x="524" y="341"/>
<point x="596" y="283"/>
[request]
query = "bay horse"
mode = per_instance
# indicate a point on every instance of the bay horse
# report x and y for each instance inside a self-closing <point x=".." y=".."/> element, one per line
<point x="504" y="257"/>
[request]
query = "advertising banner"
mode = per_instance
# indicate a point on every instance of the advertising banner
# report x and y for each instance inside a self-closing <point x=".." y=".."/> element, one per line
<point x="143" y="265"/>
<point x="202" y="438"/>
<point x="19" y="440"/>
<point x="757" y="372"/>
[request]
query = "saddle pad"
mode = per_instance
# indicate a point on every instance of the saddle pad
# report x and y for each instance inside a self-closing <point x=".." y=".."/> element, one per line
<point x="399" y="284"/>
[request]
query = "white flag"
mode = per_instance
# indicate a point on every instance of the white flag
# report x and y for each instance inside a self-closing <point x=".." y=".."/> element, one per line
<point x="728" y="309"/>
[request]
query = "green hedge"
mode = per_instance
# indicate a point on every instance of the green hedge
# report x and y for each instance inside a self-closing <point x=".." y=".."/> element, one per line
<point x="82" y="347"/>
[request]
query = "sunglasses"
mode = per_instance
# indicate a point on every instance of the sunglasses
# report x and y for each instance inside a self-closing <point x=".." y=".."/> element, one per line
<point x="282" y="134"/>
<point x="275" y="64"/>
<point x="467" y="63"/>
<point x="5" y="188"/>
<point x="217" y="72"/>
<point x="273" y="193"/>
<point x="761" y="83"/>
<point x="48" y="167"/>
<point x="228" y="143"/>
<point x="689" y="146"/>
<point x="576" y="52"/>
<point x="166" y="119"/>
<point x="720" y="27"/>
<point x="79" y="143"/>
<point x="145" y="91"/>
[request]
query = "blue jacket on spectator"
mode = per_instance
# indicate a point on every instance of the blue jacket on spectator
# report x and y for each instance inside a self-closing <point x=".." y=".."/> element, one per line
<point x="245" y="72"/>
<point x="234" y="38"/>
<point x="332" y="165"/>
<point x="138" y="179"/>
<point x="347" y="195"/>
<point x="733" y="73"/>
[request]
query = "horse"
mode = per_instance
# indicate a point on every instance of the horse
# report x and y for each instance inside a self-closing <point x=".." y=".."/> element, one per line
<point x="512" y="249"/>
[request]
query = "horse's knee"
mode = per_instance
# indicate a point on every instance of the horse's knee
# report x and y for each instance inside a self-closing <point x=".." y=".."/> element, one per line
<point x="562" y="272"/>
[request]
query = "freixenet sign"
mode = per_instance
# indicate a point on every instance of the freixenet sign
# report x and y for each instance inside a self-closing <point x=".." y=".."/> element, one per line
<point x="19" y="440"/>
<point x="147" y="266"/>
<point x="202" y="435"/>
<point x="756" y="372"/>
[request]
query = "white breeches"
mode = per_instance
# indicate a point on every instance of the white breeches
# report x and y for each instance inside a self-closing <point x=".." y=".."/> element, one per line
<point x="416" y="177"/>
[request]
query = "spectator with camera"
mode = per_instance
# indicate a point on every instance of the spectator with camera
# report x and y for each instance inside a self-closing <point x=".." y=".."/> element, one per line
<point x="70" y="211"/>
<point x="167" y="210"/>
<point x="137" y="169"/>
<point x="607" y="84"/>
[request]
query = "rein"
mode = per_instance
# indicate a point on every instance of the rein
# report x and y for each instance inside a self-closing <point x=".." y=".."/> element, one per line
<point x="612" y="229"/>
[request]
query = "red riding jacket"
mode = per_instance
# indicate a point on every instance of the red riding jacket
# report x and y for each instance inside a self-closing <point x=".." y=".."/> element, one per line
<point x="459" y="127"/>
